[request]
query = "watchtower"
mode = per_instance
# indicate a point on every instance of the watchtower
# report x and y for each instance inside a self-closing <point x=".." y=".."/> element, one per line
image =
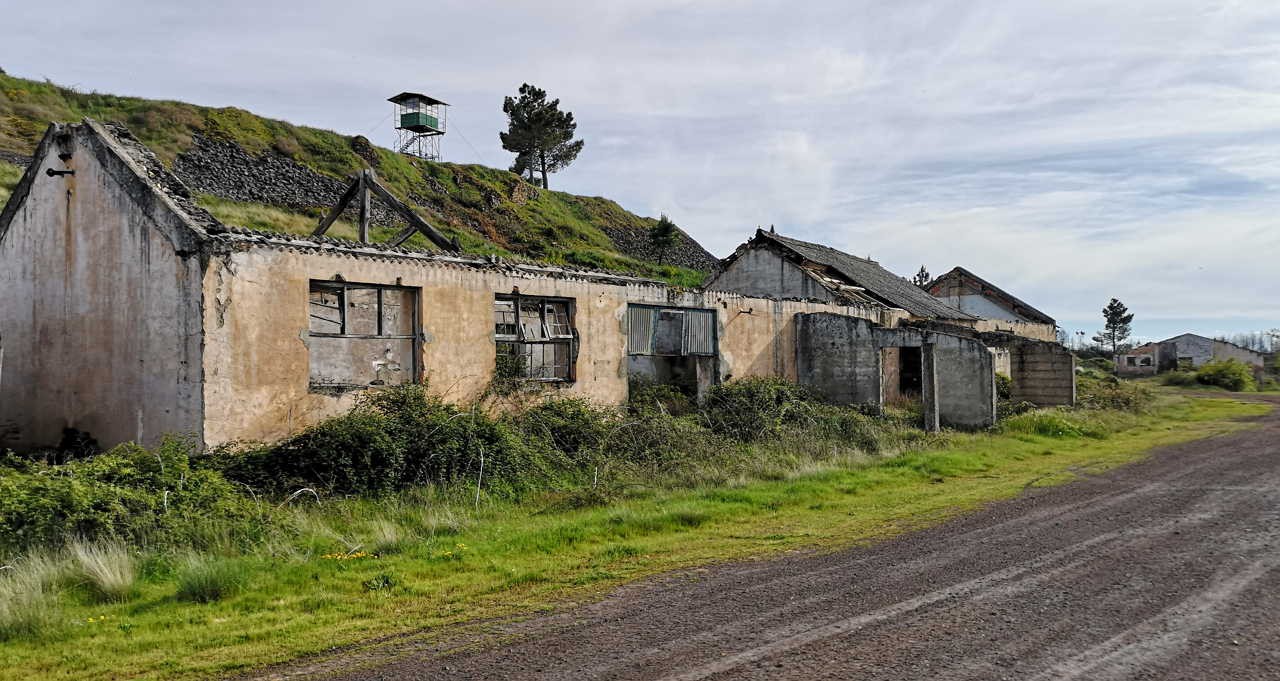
<point x="419" y="124"/>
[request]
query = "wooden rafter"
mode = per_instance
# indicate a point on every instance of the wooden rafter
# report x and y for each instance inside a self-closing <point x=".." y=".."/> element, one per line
<point x="363" y="185"/>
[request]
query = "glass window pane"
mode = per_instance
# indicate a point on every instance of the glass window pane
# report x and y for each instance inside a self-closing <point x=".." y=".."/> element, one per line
<point x="558" y="320"/>
<point x="531" y="320"/>
<point x="362" y="311"/>
<point x="504" y="318"/>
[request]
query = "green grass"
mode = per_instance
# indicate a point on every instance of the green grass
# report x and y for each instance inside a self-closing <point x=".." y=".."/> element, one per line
<point x="9" y="176"/>
<point x="491" y="211"/>
<point x="445" y="563"/>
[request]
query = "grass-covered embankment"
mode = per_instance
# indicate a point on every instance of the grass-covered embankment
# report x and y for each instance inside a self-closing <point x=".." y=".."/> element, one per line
<point x="348" y="569"/>
<point x="491" y="211"/>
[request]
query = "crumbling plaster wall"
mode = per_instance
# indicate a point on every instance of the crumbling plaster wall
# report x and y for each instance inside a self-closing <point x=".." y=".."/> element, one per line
<point x="256" y="361"/>
<point x="1032" y="330"/>
<point x="100" y="316"/>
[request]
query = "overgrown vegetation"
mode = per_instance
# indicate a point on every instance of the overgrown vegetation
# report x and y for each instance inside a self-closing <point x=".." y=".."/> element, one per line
<point x="9" y="176"/>
<point x="1228" y="374"/>
<point x="412" y="505"/>
<point x="491" y="211"/>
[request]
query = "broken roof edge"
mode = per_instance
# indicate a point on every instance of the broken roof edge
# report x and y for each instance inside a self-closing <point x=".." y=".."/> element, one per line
<point x="240" y="236"/>
<point x="959" y="271"/>
<point x="20" y="191"/>
<point x="144" y="167"/>
<point x="928" y="306"/>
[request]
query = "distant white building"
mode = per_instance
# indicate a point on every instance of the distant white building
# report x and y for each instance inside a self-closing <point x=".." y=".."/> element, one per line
<point x="1185" y="352"/>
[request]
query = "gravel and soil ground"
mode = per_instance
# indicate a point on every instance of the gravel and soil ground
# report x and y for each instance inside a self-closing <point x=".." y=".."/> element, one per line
<point x="1164" y="569"/>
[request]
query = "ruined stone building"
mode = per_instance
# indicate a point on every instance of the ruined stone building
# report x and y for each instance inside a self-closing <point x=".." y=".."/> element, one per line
<point x="1185" y="352"/>
<point x="131" y="313"/>
<point x="997" y="309"/>
<point x="772" y="265"/>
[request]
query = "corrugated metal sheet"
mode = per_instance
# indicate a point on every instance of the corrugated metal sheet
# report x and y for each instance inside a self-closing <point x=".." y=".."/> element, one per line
<point x="696" y="332"/>
<point x="640" y="330"/>
<point x="700" y="332"/>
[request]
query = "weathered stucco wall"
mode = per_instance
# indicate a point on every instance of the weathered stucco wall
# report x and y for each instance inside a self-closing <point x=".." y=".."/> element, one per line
<point x="257" y="366"/>
<point x="1224" y="350"/>
<point x="1033" y="330"/>
<point x="100" y="317"/>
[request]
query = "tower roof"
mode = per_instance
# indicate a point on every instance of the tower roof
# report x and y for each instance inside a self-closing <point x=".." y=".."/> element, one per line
<point x="406" y="96"/>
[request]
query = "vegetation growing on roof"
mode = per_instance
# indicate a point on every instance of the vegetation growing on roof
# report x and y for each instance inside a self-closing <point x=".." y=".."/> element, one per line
<point x="491" y="211"/>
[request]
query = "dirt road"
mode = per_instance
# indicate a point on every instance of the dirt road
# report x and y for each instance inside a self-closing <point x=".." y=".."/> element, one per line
<point x="1167" y="569"/>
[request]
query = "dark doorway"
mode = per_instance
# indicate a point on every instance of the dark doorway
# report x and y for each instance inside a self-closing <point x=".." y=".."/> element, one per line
<point x="910" y="372"/>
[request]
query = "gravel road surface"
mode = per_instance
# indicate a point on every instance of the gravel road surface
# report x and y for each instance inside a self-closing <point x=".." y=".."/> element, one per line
<point x="1165" y="569"/>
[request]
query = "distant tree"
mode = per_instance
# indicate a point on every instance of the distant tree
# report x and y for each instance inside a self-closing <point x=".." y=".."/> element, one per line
<point x="539" y="133"/>
<point x="922" y="278"/>
<point x="663" y="235"/>
<point x="1116" y="327"/>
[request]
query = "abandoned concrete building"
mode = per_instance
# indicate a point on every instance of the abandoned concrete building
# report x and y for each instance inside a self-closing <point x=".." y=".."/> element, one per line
<point x="771" y="265"/>
<point x="999" y="310"/>
<point x="1185" y="352"/>
<point x="131" y="313"/>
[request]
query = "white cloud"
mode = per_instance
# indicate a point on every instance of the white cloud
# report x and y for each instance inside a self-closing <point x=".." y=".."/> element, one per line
<point x="1073" y="151"/>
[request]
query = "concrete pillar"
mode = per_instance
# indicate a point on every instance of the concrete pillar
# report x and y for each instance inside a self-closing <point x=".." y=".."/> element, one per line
<point x="929" y="387"/>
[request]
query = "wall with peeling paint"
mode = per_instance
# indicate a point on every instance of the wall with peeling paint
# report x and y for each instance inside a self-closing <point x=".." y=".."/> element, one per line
<point x="100" y="317"/>
<point x="257" y="356"/>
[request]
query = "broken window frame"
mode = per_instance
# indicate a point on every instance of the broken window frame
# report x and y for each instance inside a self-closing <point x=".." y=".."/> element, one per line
<point x="342" y="289"/>
<point x="556" y="327"/>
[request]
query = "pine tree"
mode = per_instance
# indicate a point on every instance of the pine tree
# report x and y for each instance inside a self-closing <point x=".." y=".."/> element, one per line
<point x="1116" y="329"/>
<point x="539" y="133"/>
<point x="922" y="278"/>
<point x="663" y="236"/>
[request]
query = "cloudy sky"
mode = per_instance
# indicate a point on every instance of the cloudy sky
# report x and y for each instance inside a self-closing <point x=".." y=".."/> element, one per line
<point x="1068" y="151"/>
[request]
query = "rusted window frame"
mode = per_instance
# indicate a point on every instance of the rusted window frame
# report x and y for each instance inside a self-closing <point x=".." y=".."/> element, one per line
<point x="342" y="287"/>
<point x="519" y="339"/>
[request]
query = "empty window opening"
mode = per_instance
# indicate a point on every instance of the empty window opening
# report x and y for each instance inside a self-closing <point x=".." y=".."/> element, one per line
<point x="1131" y="361"/>
<point x="361" y="335"/>
<point x="1145" y="361"/>
<point x="672" y="346"/>
<point x="910" y="372"/>
<point x="535" y="337"/>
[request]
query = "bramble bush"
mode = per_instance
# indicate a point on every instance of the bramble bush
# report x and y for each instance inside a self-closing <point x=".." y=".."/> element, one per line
<point x="1231" y="374"/>
<point x="129" y="493"/>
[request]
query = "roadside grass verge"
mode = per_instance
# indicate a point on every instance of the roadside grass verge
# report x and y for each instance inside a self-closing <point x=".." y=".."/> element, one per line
<point x="350" y="570"/>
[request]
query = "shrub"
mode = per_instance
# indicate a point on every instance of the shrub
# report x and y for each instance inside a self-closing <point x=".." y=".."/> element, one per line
<point x="647" y="396"/>
<point x="129" y="493"/>
<point x="1111" y="393"/>
<point x="572" y="425"/>
<point x="751" y="408"/>
<point x="1179" y="378"/>
<point x="350" y="454"/>
<point x="1231" y="374"/>
<point x="1004" y="386"/>
<point x="1100" y="364"/>
<point x="662" y="440"/>
<point x="204" y="579"/>
<point x="108" y="569"/>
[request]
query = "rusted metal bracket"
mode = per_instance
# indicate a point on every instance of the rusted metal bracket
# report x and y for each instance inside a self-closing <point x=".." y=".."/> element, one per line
<point x="363" y="185"/>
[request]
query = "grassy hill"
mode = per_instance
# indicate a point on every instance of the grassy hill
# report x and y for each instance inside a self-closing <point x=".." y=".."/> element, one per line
<point x="491" y="211"/>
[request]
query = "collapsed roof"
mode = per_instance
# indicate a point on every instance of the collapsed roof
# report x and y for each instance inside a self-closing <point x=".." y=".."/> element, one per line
<point x="961" y="275"/>
<point x="850" y="277"/>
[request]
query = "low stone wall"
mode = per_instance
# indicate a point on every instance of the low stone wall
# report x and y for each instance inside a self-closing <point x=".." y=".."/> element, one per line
<point x="1043" y="374"/>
